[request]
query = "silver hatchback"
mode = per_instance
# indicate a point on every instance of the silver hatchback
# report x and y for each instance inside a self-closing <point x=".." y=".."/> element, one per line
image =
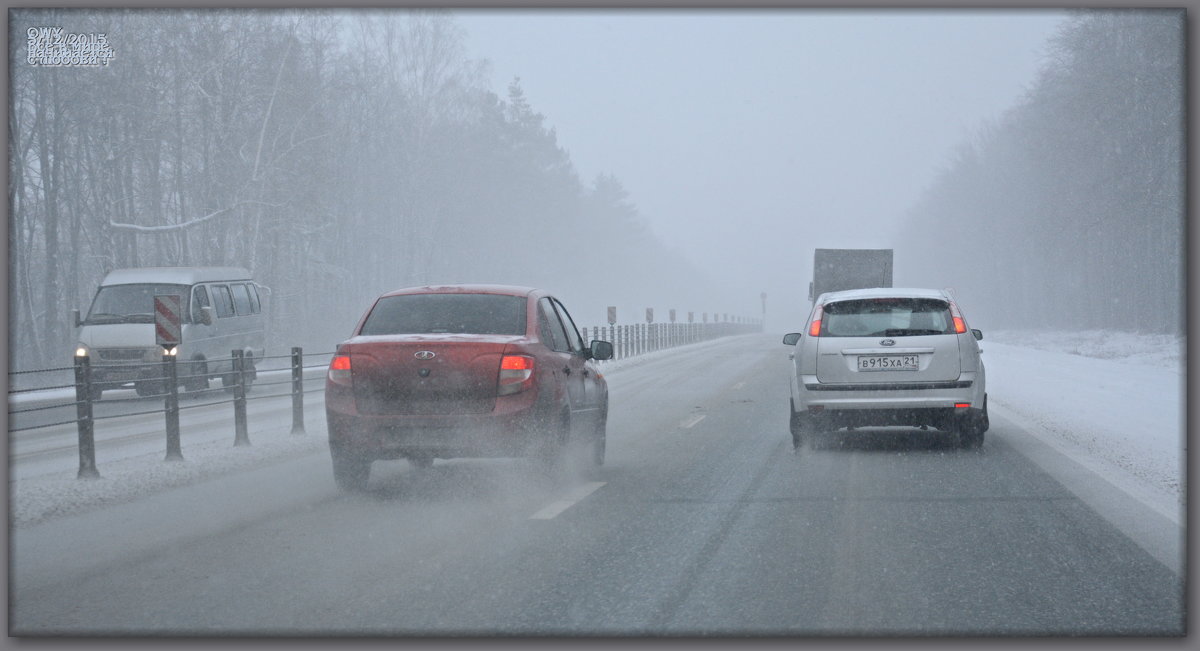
<point x="888" y="357"/>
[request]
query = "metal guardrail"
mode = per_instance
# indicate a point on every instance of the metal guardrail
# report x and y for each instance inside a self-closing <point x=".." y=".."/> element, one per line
<point x="628" y="341"/>
<point x="167" y="383"/>
<point x="641" y="338"/>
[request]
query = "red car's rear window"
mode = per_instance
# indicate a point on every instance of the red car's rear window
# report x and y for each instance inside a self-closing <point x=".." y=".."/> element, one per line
<point x="481" y="314"/>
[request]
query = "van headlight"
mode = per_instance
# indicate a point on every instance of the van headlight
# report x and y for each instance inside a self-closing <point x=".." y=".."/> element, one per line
<point x="81" y="350"/>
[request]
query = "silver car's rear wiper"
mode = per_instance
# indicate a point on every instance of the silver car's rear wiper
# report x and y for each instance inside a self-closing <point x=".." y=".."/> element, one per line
<point x="910" y="332"/>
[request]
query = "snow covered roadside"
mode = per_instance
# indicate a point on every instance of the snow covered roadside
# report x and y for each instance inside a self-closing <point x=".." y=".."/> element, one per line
<point x="1115" y="402"/>
<point x="45" y="497"/>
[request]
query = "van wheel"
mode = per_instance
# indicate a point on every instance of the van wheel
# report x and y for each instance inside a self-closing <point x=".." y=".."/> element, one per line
<point x="197" y="376"/>
<point x="229" y="380"/>
<point x="147" y="389"/>
<point x="421" y="461"/>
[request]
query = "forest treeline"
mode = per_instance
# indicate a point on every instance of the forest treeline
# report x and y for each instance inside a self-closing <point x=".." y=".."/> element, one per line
<point x="336" y="155"/>
<point x="1069" y="211"/>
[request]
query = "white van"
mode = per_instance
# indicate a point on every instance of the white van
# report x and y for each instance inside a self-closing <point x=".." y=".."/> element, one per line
<point x="222" y="312"/>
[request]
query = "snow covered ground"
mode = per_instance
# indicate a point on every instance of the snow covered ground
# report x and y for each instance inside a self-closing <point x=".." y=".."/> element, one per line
<point x="1113" y="402"/>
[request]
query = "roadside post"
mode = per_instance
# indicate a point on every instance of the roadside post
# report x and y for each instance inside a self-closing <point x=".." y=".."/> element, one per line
<point x="297" y="390"/>
<point x="167" y="329"/>
<point x="83" y="414"/>
<point x="171" y="380"/>
<point x="763" y="324"/>
<point x="241" y="437"/>
<point x="671" y="329"/>
<point x="651" y="344"/>
<point x="612" y="322"/>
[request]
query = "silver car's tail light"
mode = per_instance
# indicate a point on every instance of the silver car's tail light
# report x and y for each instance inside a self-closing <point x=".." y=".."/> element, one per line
<point x="814" y="330"/>
<point x="960" y="326"/>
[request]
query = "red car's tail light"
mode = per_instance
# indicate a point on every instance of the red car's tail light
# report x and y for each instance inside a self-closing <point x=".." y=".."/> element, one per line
<point x="516" y="374"/>
<point x="814" y="330"/>
<point x="339" y="369"/>
<point x="962" y="405"/>
<point x="960" y="326"/>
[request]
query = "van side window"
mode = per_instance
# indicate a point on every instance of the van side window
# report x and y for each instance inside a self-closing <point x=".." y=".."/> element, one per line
<point x="241" y="299"/>
<point x="223" y="300"/>
<point x="255" y="304"/>
<point x="199" y="301"/>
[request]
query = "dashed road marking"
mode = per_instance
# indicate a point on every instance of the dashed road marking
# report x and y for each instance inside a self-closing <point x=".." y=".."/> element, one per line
<point x="691" y="422"/>
<point x="572" y="498"/>
<point x="738" y="385"/>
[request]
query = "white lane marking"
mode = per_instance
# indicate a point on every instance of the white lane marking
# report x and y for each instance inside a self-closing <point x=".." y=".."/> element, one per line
<point x="738" y="385"/>
<point x="691" y="422"/>
<point x="571" y="499"/>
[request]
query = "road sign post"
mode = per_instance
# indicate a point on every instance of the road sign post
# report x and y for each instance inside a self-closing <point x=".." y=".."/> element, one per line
<point x="83" y="414"/>
<point x="241" y="435"/>
<point x="171" y="380"/>
<point x="297" y="390"/>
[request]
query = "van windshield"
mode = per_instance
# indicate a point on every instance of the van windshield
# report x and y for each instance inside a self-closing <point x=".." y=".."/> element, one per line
<point x="131" y="303"/>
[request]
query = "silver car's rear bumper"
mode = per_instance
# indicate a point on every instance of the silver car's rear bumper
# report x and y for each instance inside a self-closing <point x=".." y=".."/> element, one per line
<point x="888" y="395"/>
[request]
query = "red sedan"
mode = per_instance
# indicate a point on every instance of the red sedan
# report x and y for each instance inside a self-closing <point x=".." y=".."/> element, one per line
<point x="464" y="371"/>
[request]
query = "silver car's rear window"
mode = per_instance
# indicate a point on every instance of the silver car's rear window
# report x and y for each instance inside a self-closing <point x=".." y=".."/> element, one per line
<point x="887" y="317"/>
<point x="480" y="314"/>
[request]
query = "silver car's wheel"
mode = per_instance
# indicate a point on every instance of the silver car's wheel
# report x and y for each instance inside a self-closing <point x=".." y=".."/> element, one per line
<point x="800" y="425"/>
<point x="971" y="429"/>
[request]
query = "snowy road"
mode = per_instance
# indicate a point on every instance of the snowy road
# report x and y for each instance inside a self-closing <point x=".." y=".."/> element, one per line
<point x="702" y="522"/>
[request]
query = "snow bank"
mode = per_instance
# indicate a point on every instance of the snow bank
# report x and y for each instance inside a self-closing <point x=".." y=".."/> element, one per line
<point x="1117" y="400"/>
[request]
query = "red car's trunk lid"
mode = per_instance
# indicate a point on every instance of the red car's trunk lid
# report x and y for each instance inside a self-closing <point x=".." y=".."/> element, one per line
<point x="426" y="374"/>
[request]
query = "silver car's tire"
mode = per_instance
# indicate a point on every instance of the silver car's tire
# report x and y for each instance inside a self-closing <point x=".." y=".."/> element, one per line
<point x="971" y="429"/>
<point x="801" y="426"/>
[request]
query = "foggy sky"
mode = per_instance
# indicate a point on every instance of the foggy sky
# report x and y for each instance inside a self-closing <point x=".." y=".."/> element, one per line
<point x="748" y="138"/>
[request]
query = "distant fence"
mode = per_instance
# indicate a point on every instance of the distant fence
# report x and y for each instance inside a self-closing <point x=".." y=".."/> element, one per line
<point x="641" y="338"/>
<point x="164" y="380"/>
